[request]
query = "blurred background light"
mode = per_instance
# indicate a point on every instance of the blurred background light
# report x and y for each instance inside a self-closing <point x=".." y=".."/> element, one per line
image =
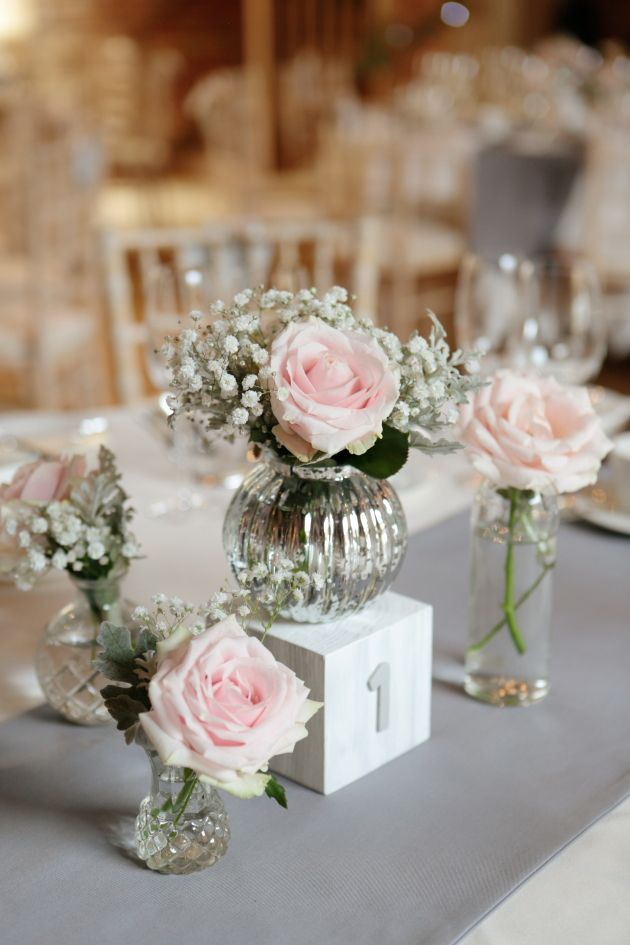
<point x="454" y="14"/>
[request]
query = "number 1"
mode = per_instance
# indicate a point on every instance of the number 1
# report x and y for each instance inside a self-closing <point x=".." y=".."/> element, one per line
<point x="379" y="683"/>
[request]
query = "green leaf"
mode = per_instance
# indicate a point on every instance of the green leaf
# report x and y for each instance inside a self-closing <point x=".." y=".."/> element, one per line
<point x="275" y="790"/>
<point x="386" y="457"/>
<point x="117" y="657"/>
<point x="122" y="707"/>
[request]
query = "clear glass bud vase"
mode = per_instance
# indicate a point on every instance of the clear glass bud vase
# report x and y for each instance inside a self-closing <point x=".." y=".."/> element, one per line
<point x="68" y="646"/>
<point x="513" y="550"/>
<point x="182" y="825"/>
<point x="349" y="528"/>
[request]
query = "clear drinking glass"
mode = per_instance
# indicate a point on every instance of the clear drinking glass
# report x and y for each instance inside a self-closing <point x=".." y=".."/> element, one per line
<point x="179" y="830"/>
<point x="349" y="527"/>
<point x="513" y="548"/>
<point x="486" y="309"/>
<point x="561" y="327"/>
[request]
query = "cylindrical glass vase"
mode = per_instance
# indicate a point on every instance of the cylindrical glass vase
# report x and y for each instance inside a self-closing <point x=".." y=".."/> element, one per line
<point x="349" y="528"/>
<point x="182" y="825"/>
<point x="64" y="657"/>
<point x="513" y="548"/>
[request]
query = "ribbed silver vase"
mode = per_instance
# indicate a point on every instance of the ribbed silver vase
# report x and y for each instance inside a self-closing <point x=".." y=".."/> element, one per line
<point x="349" y="527"/>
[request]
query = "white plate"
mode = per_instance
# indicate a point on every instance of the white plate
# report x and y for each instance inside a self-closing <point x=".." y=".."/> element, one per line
<point x="599" y="507"/>
<point x="612" y="408"/>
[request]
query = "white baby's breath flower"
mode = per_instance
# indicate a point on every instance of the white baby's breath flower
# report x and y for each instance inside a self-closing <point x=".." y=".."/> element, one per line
<point x="95" y="550"/>
<point x="230" y="344"/>
<point x="59" y="560"/>
<point x="24" y="539"/>
<point x="37" y="560"/>
<point x="227" y="383"/>
<point x="188" y="337"/>
<point x="250" y="398"/>
<point x="140" y="613"/>
<point x="239" y="416"/>
<point x="243" y="298"/>
<point x="249" y="381"/>
<point x="259" y="355"/>
<point x="11" y="526"/>
<point x="39" y="525"/>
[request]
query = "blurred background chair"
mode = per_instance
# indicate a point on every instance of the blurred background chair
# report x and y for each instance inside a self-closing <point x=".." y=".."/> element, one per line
<point x="133" y="133"/>
<point x="156" y="277"/>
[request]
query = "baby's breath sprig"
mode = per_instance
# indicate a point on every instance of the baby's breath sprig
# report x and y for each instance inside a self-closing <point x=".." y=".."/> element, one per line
<point x="263" y="593"/>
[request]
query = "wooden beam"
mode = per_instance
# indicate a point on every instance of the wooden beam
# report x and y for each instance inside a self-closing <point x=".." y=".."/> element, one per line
<point x="259" y="61"/>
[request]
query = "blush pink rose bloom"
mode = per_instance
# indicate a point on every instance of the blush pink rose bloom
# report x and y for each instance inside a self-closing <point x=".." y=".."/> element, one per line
<point x="332" y="389"/>
<point x="44" y="480"/>
<point x="527" y="432"/>
<point x="222" y="705"/>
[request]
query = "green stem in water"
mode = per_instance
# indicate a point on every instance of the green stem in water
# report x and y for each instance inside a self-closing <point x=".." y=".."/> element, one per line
<point x="190" y="782"/>
<point x="508" y="600"/>
<point x="476" y="647"/>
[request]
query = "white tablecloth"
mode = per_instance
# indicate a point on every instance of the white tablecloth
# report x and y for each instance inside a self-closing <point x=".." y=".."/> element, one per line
<point x="579" y="897"/>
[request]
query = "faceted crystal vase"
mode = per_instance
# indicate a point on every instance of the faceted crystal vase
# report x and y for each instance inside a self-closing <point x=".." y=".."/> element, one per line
<point x="180" y="841"/>
<point x="348" y="527"/>
<point x="64" y="657"/>
<point x="507" y="662"/>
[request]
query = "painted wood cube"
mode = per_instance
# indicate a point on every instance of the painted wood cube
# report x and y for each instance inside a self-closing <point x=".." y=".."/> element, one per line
<point x="372" y="671"/>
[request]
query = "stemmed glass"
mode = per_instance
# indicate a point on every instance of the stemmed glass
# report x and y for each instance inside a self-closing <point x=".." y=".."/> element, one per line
<point x="486" y="309"/>
<point x="544" y="315"/>
<point x="560" y="329"/>
<point x="171" y="293"/>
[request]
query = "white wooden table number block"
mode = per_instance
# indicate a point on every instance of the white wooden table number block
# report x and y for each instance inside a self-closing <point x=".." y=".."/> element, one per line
<point x="372" y="671"/>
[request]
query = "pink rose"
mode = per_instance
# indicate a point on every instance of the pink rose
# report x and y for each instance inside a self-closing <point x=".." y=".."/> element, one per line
<point x="222" y="705"/>
<point x="528" y="432"/>
<point x="333" y="389"/>
<point x="44" y="480"/>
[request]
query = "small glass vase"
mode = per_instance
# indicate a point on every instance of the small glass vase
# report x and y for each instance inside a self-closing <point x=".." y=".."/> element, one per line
<point x="64" y="657"/>
<point x="349" y="527"/>
<point x="513" y="553"/>
<point x="179" y="829"/>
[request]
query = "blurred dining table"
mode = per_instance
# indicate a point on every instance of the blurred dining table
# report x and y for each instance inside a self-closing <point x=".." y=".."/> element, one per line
<point x="579" y="896"/>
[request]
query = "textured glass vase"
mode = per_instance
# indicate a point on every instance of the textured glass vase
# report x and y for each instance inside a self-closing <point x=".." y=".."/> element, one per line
<point x="513" y="547"/>
<point x="185" y="837"/>
<point x="350" y="528"/>
<point x="64" y="656"/>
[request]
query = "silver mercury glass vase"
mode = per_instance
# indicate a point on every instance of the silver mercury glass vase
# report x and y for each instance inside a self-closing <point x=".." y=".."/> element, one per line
<point x="349" y="527"/>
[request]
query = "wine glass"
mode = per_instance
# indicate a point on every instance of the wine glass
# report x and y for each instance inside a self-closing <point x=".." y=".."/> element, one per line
<point x="561" y="328"/>
<point x="172" y="291"/>
<point x="486" y="309"/>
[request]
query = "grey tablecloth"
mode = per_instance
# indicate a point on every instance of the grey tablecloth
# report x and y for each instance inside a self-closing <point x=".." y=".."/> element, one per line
<point x="414" y="854"/>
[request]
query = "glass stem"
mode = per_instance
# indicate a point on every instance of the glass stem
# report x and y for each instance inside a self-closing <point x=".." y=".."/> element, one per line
<point x="509" y="608"/>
